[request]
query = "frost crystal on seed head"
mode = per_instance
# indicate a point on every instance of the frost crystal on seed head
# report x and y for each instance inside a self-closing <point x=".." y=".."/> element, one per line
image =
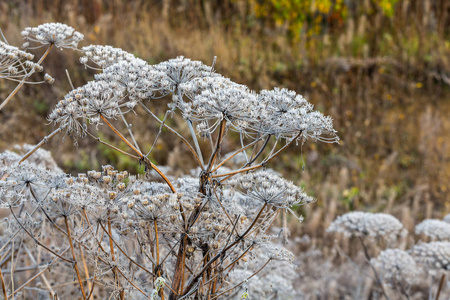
<point x="434" y="229"/>
<point x="104" y="56"/>
<point x="140" y="80"/>
<point x="446" y="218"/>
<point x="271" y="189"/>
<point x="285" y="114"/>
<point x="60" y="35"/>
<point x="235" y="104"/>
<point x="181" y="70"/>
<point x="14" y="63"/>
<point x="368" y="225"/>
<point x="396" y="267"/>
<point x="435" y="256"/>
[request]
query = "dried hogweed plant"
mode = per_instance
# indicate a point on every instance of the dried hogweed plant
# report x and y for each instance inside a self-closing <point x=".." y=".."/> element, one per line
<point x="111" y="234"/>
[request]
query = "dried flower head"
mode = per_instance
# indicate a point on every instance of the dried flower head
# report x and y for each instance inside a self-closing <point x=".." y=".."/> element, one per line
<point x="366" y="224"/>
<point x="60" y="35"/>
<point x="104" y="56"/>
<point x="396" y="267"/>
<point x="90" y="102"/>
<point x="434" y="256"/>
<point x="228" y="101"/>
<point x="285" y="114"/>
<point x="15" y="64"/>
<point x="181" y="70"/>
<point x="49" y="79"/>
<point x="271" y="189"/>
<point x="436" y="230"/>
<point x="141" y="81"/>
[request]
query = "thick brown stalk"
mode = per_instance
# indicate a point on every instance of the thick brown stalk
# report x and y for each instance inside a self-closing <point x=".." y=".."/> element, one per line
<point x="179" y="269"/>
<point x="441" y="284"/>
<point x="111" y="146"/>
<point x="111" y="248"/>
<point x="5" y="295"/>
<point x="72" y="249"/>
<point x="91" y="293"/>
<point x="111" y="245"/>
<point x="86" y="271"/>
<point x="229" y="174"/>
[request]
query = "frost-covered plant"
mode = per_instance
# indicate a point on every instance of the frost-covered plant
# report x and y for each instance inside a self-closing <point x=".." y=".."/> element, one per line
<point x="51" y="34"/>
<point x="435" y="256"/>
<point x="183" y="237"/>
<point x="434" y="229"/>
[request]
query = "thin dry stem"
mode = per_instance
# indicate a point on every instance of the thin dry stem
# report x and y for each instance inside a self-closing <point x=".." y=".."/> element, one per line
<point x="163" y="176"/>
<point x="175" y="132"/>
<point x="5" y="295"/>
<point x="441" y="285"/>
<point x="39" y="145"/>
<point x="72" y="249"/>
<point x="21" y="83"/>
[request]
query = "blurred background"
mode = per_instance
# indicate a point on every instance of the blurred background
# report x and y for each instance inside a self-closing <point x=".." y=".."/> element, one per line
<point x="380" y="68"/>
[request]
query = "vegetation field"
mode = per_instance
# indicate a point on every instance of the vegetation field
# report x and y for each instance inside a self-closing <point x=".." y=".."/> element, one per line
<point x="379" y="68"/>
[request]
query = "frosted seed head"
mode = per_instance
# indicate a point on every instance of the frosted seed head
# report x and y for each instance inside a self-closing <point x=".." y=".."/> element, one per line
<point x="370" y="225"/>
<point x="396" y="267"/>
<point x="60" y="35"/>
<point x="434" y="229"/>
<point x="434" y="256"/>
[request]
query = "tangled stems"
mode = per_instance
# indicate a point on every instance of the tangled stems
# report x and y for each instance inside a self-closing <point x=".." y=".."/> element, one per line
<point x="223" y="252"/>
